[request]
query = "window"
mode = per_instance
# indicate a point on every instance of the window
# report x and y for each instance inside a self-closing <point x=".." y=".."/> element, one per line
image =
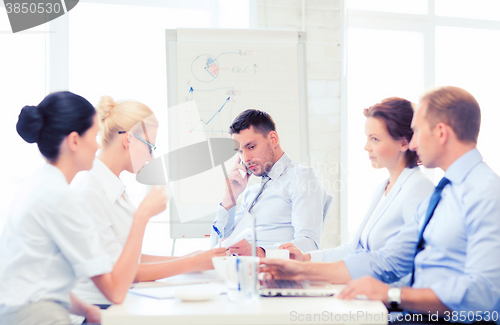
<point x="23" y="68"/>
<point x="468" y="58"/>
<point x="407" y="7"/>
<point x="481" y="9"/>
<point x="400" y="49"/>
<point x="382" y="63"/>
<point x="92" y="55"/>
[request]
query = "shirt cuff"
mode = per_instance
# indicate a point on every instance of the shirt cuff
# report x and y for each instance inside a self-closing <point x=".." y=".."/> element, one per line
<point x="92" y="267"/>
<point x="221" y="220"/>
<point x="453" y="299"/>
<point x="316" y="256"/>
<point x="222" y="214"/>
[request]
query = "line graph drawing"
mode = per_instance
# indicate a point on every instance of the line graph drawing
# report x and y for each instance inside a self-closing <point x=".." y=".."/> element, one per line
<point x="209" y="117"/>
<point x="220" y="109"/>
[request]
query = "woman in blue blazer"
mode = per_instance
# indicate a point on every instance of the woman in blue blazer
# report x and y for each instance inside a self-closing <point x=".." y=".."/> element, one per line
<point x="388" y="131"/>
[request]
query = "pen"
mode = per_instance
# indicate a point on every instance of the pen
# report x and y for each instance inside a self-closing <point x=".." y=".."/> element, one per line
<point x="218" y="234"/>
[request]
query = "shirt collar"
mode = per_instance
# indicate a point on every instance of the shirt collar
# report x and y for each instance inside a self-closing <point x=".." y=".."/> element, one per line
<point x="112" y="185"/>
<point x="279" y="167"/>
<point x="459" y="169"/>
<point x="405" y="174"/>
<point x="54" y="173"/>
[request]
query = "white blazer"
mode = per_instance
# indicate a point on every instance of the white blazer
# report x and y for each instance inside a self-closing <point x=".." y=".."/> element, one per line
<point x="411" y="188"/>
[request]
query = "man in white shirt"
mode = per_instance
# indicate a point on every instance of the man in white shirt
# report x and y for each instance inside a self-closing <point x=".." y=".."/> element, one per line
<point x="288" y="204"/>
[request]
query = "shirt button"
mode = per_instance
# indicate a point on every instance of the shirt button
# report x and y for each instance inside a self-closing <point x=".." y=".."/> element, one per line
<point x="419" y="270"/>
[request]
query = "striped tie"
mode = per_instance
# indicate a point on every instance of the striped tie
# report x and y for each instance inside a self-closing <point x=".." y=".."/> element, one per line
<point x="263" y="183"/>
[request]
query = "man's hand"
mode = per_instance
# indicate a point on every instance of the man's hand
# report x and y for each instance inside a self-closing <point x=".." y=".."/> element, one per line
<point x="371" y="288"/>
<point x="283" y="269"/>
<point x="419" y="300"/>
<point x="236" y="184"/>
<point x="295" y="253"/>
<point x="244" y="248"/>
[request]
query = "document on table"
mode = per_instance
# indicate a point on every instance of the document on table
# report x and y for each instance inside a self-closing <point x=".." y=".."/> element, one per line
<point x="167" y="292"/>
<point x="209" y="276"/>
<point x="192" y="278"/>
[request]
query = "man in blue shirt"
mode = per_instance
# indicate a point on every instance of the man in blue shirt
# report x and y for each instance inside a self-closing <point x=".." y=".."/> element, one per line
<point x="452" y="245"/>
<point x="288" y="204"/>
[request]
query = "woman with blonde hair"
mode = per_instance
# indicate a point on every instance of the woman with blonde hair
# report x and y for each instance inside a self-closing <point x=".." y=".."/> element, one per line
<point x="128" y="134"/>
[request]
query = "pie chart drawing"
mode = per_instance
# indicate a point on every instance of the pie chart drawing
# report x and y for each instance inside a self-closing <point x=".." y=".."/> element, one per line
<point x="205" y="68"/>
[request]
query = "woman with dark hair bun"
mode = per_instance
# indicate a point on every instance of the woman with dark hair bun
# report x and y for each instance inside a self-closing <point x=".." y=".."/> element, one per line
<point x="49" y="239"/>
<point x="388" y="132"/>
<point x="54" y="118"/>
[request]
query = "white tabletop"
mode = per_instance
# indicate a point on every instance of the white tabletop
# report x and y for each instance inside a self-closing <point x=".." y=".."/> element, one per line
<point x="143" y="310"/>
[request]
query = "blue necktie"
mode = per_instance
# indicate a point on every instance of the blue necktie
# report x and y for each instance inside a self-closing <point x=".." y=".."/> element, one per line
<point x="436" y="196"/>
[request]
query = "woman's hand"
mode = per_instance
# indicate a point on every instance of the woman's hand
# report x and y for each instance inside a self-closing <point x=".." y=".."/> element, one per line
<point x="204" y="259"/>
<point x="93" y="314"/>
<point x="81" y="308"/>
<point x="295" y="253"/>
<point x="283" y="269"/>
<point x="154" y="203"/>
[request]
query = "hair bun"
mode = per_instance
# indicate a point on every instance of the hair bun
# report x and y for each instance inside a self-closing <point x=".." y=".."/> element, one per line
<point x="30" y="123"/>
<point x="105" y="107"/>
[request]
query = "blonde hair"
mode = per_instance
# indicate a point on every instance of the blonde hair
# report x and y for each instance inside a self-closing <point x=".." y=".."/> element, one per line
<point x="121" y="116"/>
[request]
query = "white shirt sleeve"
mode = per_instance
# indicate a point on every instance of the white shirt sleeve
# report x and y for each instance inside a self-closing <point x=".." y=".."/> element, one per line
<point x="102" y="209"/>
<point x="332" y="254"/>
<point x="307" y="211"/>
<point x="316" y="256"/>
<point x="75" y="234"/>
<point x="226" y="220"/>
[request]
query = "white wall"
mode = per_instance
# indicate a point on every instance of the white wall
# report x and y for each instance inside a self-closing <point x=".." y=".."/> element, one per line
<point x="320" y="19"/>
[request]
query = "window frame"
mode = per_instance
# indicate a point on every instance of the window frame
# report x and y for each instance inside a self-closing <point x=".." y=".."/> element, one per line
<point x="422" y="23"/>
<point x="57" y="51"/>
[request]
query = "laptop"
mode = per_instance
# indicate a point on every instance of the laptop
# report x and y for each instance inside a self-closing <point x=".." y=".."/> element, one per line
<point x="292" y="288"/>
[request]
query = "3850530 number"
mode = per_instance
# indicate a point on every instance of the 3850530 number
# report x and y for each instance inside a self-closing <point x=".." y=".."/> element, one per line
<point x="25" y="7"/>
<point x="471" y="316"/>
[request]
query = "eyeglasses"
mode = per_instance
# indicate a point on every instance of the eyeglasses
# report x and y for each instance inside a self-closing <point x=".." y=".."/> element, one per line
<point x="150" y="145"/>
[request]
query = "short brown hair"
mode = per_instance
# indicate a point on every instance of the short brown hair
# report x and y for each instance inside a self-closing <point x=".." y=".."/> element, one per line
<point x="455" y="107"/>
<point x="396" y="113"/>
<point x="261" y="121"/>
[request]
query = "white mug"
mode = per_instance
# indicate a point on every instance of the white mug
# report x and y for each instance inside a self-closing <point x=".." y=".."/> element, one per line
<point x="278" y="253"/>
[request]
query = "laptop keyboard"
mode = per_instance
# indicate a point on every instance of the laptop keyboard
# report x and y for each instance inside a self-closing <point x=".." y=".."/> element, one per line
<point x="282" y="284"/>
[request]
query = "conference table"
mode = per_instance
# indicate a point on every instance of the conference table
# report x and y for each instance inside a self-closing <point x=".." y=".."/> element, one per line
<point x="143" y="309"/>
